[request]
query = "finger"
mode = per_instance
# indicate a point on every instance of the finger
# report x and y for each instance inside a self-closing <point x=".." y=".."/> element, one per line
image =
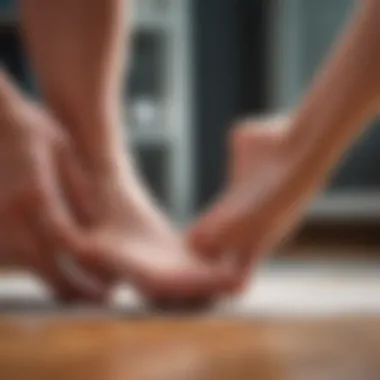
<point x="13" y="245"/>
<point x="83" y="203"/>
<point x="213" y="230"/>
<point x="19" y="239"/>
<point x="76" y="185"/>
<point x="41" y="259"/>
<point x="78" y="191"/>
<point x="98" y="269"/>
<point x="50" y="209"/>
<point x="68" y="285"/>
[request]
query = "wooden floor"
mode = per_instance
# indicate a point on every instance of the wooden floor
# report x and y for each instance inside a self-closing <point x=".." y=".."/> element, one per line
<point x="39" y="348"/>
<point x="43" y="342"/>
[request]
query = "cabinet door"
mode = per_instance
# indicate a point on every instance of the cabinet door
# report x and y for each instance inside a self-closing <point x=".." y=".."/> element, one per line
<point x="306" y="31"/>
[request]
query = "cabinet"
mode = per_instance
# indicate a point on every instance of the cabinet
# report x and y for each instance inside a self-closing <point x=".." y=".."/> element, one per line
<point x="158" y="100"/>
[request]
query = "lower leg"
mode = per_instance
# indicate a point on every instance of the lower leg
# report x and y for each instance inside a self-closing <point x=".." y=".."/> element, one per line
<point x="275" y="171"/>
<point x="78" y="49"/>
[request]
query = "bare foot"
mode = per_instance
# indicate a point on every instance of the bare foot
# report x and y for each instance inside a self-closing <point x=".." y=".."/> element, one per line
<point x="131" y="239"/>
<point x="267" y="190"/>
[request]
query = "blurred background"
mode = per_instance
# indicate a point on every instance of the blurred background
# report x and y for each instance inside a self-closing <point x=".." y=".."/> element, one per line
<point x="199" y="65"/>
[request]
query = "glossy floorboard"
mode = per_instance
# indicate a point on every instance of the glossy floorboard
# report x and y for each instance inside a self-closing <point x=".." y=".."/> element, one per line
<point x="260" y="340"/>
<point x="100" y="348"/>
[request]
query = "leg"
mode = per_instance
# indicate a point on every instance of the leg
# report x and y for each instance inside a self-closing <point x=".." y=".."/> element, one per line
<point x="275" y="171"/>
<point x="78" y="49"/>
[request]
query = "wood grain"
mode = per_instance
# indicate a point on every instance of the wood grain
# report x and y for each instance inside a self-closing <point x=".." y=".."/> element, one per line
<point x="39" y="348"/>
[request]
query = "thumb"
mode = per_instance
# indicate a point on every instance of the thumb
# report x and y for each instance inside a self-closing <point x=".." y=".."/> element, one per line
<point x="210" y="235"/>
<point x="49" y="206"/>
<point x="80" y="193"/>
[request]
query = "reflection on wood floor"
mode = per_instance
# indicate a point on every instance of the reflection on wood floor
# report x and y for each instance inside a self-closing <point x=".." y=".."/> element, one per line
<point x="39" y="348"/>
<point x="286" y="328"/>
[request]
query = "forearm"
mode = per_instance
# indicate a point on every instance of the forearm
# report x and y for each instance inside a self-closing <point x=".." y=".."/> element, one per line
<point x="78" y="50"/>
<point x="343" y="97"/>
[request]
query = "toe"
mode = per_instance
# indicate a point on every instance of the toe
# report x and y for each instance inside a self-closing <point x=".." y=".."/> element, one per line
<point x="214" y="229"/>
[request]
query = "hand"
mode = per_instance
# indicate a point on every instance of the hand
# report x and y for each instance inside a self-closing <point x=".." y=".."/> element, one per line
<point x="128" y="238"/>
<point x="268" y="188"/>
<point x="35" y="220"/>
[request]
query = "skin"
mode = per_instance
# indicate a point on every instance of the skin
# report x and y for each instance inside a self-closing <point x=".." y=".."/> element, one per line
<point x="276" y="166"/>
<point x="35" y="220"/>
<point x="78" y="50"/>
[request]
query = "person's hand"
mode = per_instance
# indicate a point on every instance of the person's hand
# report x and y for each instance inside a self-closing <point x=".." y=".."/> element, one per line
<point x="35" y="220"/>
<point x="268" y="187"/>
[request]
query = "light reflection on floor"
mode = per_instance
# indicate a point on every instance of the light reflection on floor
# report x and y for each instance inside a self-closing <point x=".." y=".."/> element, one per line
<point x="287" y="288"/>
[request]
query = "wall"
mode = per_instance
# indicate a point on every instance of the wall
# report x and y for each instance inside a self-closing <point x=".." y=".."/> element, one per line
<point x="229" y="70"/>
